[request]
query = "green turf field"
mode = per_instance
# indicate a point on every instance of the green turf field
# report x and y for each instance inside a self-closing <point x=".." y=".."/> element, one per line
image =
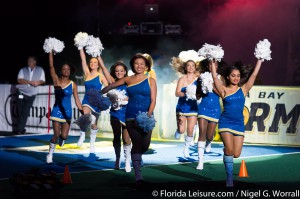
<point x="267" y="176"/>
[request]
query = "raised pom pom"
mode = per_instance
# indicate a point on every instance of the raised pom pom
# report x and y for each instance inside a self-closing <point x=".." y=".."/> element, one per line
<point x="191" y="92"/>
<point x="81" y="40"/>
<point x="94" y="46"/>
<point x="144" y="122"/>
<point x="54" y="45"/>
<point x="118" y="98"/>
<point x="207" y="82"/>
<point x="189" y="55"/>
<point x="98" y="100"/>
<point x="262" y="50"/>
<point x="211" y="52"/>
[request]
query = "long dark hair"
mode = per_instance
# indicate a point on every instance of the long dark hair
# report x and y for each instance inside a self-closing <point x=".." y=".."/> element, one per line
<point x="204" y="65"/>
<point x="113" y="69"/>
<point x="245" y="72"/>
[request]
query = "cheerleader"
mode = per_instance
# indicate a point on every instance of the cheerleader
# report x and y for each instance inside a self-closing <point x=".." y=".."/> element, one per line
<point x="94" y="79"/>
<point x="61" y="113"/>
<point x="231" y="122"/>
<point x="186" y="108"/>
<point x="142" y="91"/>
<point x="209" y="110"/>
<point x="117" y="114"/>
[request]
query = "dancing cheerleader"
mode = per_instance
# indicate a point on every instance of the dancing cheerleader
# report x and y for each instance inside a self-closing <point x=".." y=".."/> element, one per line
<point x="64" y="88"/>
<point x="139" y="118"/>
<point x="117" y="113"/>
<point x="94" y="79"/>
<point x="186" y="109"/>
<point x="239" y="81"/>
<point x="209" y="109"/>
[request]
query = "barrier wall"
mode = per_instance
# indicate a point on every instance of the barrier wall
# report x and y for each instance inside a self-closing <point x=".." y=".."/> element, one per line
<point x="273" y="113"/>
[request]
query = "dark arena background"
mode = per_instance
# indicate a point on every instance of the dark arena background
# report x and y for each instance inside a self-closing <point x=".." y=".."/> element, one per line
<point x="161" y="28"/>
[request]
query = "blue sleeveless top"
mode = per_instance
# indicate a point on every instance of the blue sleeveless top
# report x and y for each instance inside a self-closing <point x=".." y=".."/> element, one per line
<point x="62" y="108"/>
<point x="120" y="114"/>
<point x="209" y="108"/>
<point x="232" y="118"/>
<point x="92" y="83"/>
<point x="185" y="106"/>
<point x="139" y="98"/>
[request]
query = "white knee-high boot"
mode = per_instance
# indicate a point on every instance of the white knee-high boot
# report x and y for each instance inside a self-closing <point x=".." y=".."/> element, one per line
<point x="81" y="138"/>
<point x="49" y="157"/>
<point x="93" y="137"/>
<point x="201" y="146"/>
<point x="127" y="155"/>
<point x="187" y="144"/>
<point x="228" y="162"/>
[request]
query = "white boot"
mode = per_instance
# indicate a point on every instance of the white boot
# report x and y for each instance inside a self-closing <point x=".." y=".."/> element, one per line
<point x="201" y="146"/>
<point x="49" y="157"/>
<point x="81" y="138"/>
<point x="208" y="146"/>
<point x="127" y="155"/>
<point x="93" y="137"/>
<point x="187" y="144"/>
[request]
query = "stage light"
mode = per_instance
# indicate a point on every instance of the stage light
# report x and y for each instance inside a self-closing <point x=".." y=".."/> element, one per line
<point x="151" y="11"/>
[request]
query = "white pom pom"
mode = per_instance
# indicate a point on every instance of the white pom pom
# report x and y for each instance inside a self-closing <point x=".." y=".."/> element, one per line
<point x="81" y="40"/>
<point x="94" y="46"/>
<point x="191" y="92"/>
<point x="189" y="55"/>
<point x="207" y="82"/>
<point x="118" y="98"/>
<point x="262" y="50"/>
<point x="211" y="52"/>
<point x="54" y="45"/>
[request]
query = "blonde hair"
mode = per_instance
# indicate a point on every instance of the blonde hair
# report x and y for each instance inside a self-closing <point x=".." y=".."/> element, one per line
<point x="150" y="59"/>
<point x="180" y="66"/>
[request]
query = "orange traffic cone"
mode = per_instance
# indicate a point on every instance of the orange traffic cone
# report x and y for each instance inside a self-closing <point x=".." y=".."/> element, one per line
<point x="66" y="177"/>
<point x="243" y="170"/>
